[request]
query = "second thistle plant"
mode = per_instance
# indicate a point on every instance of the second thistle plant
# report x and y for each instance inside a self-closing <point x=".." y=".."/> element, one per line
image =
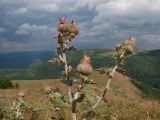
<point x="122" y="50"/>
<point x="18" y="107"/>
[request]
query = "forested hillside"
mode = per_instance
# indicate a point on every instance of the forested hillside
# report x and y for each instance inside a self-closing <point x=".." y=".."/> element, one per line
<point x="143" y="67"/>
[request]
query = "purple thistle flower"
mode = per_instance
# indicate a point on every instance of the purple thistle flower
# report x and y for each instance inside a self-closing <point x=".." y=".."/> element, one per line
<point x="64" y="18"/>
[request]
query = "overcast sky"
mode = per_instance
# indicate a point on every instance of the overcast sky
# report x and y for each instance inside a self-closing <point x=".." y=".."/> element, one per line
<point x="27" y="25"/>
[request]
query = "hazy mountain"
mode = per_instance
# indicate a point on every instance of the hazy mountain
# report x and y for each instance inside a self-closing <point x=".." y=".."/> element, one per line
<point x="23" y="59"/>
<point x="143" y="67"/>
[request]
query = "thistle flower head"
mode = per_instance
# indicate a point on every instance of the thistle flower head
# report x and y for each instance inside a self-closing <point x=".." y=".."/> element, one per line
<point x="67" y="32"/>
<point x="73" y="28"/>
<point x="131" y="41"/>
<point x="84" y="67"/>
<point x="62" y="26"/>
<point x="125" y="48"/>
<point x="129" y="45"/>
<point x="70" y="29"/>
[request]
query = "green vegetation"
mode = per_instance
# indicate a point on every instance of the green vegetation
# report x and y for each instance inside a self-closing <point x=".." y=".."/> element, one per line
<point x="35" y="71"/>
<point x="5" y="83"/>
<point x="147" y="89"/>
<point x="143" y="67"/>
<point x="22" y="60"/>
<point x="45" y="70"/>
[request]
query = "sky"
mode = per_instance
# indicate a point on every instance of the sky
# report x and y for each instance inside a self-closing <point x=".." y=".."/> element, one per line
<point x="29" y="25"/>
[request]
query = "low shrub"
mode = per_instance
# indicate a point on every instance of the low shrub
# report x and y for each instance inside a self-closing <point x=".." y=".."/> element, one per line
<point x="5" y="83"/>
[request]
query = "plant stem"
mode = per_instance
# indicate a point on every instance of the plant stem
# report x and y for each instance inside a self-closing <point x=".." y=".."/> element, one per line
<point x="74" y="116"/>
<point x="18" y="108"/>
<point x="69" y="84"/>
<point x="105" y="90"/>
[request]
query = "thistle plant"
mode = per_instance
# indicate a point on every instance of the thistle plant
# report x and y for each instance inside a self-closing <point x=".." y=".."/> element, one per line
<point x="67" y="32"/>
<point x="55" y="98"/>
<point x="3" y="111"/>
<point x="18" y="107"/>
<point x="122" y="50"/>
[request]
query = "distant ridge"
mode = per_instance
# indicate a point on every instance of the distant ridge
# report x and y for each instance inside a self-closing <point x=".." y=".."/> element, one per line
<point x="26" y="58"/>
<point x="23" y="59"/>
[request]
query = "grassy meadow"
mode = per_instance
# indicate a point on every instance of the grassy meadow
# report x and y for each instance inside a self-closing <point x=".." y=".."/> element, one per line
<point x="124" y="100"/>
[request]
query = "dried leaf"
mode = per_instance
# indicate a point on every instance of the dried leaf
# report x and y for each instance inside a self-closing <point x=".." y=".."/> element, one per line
<point x="101" y="71"/>
<point x="70" y="48"/>
<point x="54" y="61"/>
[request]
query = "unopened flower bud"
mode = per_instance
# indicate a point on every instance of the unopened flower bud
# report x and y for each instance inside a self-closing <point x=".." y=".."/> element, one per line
<point x="74" y="28"/>
<point x="62" y="26"/>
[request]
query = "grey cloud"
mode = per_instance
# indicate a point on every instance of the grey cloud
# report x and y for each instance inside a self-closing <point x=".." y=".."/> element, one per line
<point x="152" y="38"/>
<point x="103" y="23"/>
<point x="12" y="46"/>
<point x="2" y="30"/>
<point x="7" y="46"/>
<point x="89" y="4"/>
<point x="26" y="28"/>
<point x="21" y="10"/>
<point x="128" y="12"/>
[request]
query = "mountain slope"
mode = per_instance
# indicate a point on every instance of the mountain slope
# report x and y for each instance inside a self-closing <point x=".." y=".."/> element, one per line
<point x="120" y="85"/>
<point x="124" y="99"/>
<point x="143" y="67"/>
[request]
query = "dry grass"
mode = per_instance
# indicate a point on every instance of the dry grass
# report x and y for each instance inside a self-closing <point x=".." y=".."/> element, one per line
<point x="124" y="99"/>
